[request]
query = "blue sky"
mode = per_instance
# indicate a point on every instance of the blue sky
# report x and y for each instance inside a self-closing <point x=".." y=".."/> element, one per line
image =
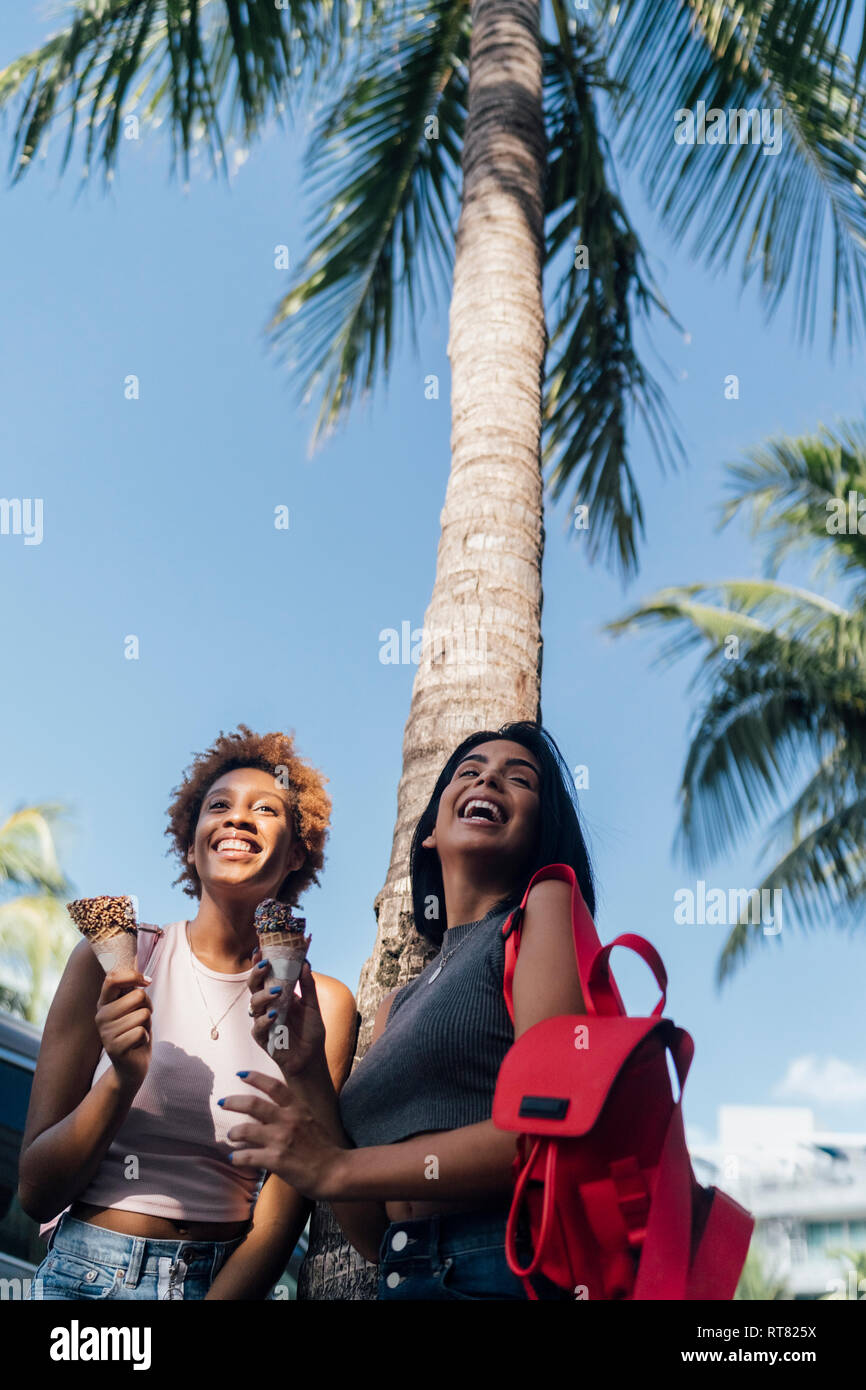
<point x="158" y="522"/>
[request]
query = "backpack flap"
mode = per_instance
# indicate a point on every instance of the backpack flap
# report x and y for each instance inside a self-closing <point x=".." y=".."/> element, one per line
<point x="556" y="1077"/>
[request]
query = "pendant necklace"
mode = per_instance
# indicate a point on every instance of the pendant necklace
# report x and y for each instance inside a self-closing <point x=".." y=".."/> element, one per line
<point x="214" y="1031"/>
<point x="448" y="954"/>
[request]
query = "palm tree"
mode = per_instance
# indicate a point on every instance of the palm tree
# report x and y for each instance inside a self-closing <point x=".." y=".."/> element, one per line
<point x="477" y="115"/>
<point x="782" y="722"/>
<point x="853" y="1265"/>
<point x="36" y="934"/>
<point x="757" y="1284"/>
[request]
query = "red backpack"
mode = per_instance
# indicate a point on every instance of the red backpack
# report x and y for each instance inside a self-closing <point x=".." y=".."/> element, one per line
<point x="614" y="1208"/>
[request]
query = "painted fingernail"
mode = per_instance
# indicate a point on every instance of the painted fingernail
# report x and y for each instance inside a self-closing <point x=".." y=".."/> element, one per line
<point x="231" y="1156"/>
<point x="242" y="1073"/>
<point x="221" y="1102"/>
<point x="148" y="979"/>
<point x="263" y="965"/>
<point x="272" y="1014"/>
<point x="276" y="990"/>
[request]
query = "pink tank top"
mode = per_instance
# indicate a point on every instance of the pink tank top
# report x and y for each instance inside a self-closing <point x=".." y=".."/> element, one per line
<point x="170" y="1156"/>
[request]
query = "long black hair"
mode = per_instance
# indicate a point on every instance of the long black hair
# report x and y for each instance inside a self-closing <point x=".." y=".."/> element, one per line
<point x="559" y="838"/>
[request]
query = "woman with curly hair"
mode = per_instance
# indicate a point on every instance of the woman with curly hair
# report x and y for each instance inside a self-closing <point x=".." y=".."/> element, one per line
<point x="124" y="1128"/>
<point x="407" y="1156"/>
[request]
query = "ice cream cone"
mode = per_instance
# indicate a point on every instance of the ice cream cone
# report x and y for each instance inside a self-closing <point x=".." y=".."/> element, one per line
<point x="283" y="943"/>
<point x="109" y="925"/>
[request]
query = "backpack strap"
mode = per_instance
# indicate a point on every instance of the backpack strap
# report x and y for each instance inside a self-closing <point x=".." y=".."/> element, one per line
<point x="600" y="983"/>
<point x="586" y="942"/>
<point x="722" y="1249"/>
<point x="666" y="1253"/>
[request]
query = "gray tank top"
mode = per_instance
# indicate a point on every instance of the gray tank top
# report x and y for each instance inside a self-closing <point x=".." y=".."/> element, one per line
<point x="435" y="1065"/>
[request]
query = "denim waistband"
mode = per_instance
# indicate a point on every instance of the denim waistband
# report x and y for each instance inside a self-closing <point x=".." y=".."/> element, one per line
<point x="447" y="1234"/>
<point x="135" y="1255"/>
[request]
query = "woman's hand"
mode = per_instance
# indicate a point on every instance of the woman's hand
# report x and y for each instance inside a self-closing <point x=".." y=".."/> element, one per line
<point x="286" y="1136"/>
<point x="123" y="1018"/>
<point x="304" y="1032"/>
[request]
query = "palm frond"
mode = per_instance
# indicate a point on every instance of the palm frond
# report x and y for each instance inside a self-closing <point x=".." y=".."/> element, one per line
<point x="36" y="937"/>
<point x="771" y="212"/>
<point x="822" y="880"/>
<point x="837" y="780"/>
<point x="711" y="615"/>
<point x="695" y="622"/>
<point x="794" y="489"/>
<point x="737" y="33"/>
<point x="596" y="384"/>
<point x="184" y="59"/>
<point x="792" y="685"/>
<point x="28" y="855"/>
<point x="779" y="708"/>
<point x="758" y="1283"/>
<point x="388" y="194"/>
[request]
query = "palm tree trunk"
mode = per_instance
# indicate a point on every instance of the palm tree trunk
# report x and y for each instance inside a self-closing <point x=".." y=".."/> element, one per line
<point x="481" y="661"/>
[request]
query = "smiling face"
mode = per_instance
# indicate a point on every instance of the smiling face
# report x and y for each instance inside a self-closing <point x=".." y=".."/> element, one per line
<point x="245" y="840"/>
<point x="491" y="805"/>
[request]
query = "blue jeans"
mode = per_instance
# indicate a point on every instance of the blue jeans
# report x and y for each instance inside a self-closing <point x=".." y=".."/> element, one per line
<point x="455" y="1257"/>
<point x="85" y="1261"/>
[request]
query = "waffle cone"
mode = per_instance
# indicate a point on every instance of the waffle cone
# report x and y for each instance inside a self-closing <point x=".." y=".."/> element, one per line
<point x="286" y="942"/>
<point x="116" y="952"/>
<point x="109" y="925"/>
<point x="286" y="952"/>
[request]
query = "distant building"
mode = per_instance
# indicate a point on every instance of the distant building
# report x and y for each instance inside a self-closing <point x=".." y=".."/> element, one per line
<point x="805" y="1187"/>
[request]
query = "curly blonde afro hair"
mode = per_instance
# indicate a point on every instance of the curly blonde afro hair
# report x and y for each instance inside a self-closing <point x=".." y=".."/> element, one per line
<point x="310" y="803"/>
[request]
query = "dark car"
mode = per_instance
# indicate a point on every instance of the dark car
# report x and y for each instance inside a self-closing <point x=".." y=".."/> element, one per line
<point x="21" y="1248"/>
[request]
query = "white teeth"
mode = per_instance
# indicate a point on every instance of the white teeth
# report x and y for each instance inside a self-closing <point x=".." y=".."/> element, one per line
<point x="486" y="805"/>
<point x="234" y="844"/>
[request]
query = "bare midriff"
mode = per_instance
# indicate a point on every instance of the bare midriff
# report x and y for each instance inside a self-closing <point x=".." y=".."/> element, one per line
<point x="139" y="1223"/>
<point x="419" y="1211"/>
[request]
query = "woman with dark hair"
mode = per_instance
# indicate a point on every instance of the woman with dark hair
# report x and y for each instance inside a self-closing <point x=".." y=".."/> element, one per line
<point x="559" y="839"/>
<point x="125" y="1137"/>
<point x="408" y="1156"/>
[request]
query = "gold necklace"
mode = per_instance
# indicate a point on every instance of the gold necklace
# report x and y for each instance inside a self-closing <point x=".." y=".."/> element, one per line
<point x="214" y="1030"/>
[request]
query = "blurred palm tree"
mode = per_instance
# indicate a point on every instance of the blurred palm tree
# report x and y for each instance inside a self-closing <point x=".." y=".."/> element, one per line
<point x="782" y="720"/>
<point x="758" y="1284"/>
<point x="853" y="1279"/>
<point x="36" y="934"/>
